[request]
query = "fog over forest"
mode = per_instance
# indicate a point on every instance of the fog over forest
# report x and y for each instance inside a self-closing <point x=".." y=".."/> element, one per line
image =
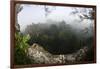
<point x="38" y="18"/>
<point x="58" y="30"/>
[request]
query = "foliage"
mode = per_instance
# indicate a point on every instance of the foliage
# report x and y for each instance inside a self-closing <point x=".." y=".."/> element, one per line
<point x="57" y="38"/>
<point x="21" y="47"/>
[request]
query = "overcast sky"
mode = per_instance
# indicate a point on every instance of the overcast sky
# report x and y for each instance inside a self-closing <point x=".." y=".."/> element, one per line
<point x="36" y="14"/>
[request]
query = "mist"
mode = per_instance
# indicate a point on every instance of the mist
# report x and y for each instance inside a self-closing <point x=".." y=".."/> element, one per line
<point x="37" y="14"/>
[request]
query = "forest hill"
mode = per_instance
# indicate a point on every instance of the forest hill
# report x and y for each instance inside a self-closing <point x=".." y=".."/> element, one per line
<point x="57" y="37"/>
<point x="53" y="41"/>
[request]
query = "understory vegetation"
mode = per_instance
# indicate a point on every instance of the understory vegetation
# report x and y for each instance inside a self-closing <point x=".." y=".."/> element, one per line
<point x="21" y="46"/>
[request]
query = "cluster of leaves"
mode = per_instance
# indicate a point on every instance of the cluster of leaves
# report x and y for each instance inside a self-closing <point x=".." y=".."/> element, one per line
<point x="55" y="37"/>
<point x="20" y="52"/>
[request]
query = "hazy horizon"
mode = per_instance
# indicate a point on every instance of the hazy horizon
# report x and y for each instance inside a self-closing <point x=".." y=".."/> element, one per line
<point x="36" y="14"/>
